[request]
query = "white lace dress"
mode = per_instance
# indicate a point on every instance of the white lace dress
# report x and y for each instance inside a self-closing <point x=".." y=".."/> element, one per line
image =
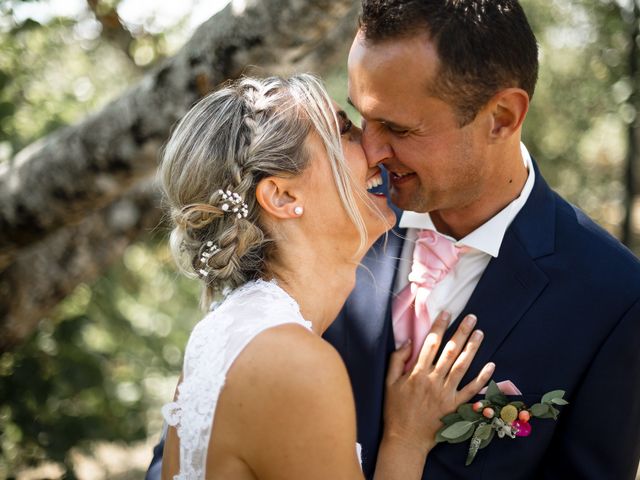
<point x="214" y="344"/>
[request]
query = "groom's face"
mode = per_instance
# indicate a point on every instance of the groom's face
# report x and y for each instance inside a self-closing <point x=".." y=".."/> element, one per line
<point x="433" y="163"/>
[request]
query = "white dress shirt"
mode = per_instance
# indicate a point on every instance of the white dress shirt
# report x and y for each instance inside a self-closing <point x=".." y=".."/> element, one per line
<point x="454" y="291"/>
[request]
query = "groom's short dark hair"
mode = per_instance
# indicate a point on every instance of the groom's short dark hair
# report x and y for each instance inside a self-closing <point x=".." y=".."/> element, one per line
<point x="483" y="45"/>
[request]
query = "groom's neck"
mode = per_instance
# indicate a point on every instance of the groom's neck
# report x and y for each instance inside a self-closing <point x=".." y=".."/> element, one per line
<point x="504" y="182"/>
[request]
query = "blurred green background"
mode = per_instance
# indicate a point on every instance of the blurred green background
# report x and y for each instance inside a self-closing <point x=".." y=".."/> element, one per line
<point x="98" y="368"/>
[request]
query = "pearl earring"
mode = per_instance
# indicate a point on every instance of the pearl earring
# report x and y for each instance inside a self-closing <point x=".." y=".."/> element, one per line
<point x="298" y="211"/>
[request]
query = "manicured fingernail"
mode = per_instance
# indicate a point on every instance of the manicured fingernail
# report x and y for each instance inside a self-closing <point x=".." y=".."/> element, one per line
<point x="491" y="366"/>
<point x="446" y="316"/>
<point x="478" y="335"/>
<point x="470" y="320"/>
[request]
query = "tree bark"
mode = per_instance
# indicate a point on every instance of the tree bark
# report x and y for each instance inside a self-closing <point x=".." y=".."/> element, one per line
<point x="83" y="168"/>
<point x="46" y="272"/>
<point x="59" y="198"/>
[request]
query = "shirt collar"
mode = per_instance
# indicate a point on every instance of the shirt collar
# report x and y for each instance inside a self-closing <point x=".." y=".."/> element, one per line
<point x="488" y="237"/>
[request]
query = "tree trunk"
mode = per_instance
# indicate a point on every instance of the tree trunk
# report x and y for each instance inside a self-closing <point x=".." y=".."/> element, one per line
<point x="55" y="195"/>
<point x="633" y="151"/>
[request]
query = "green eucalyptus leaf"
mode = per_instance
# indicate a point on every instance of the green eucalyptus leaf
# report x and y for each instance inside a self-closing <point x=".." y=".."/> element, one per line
<point x="546" y="415"/>
<point x="492" y="390"/>
<point x="539" y="410"/>
<point x="551" y="413"/>
<point x="466" y="412"/>
<point x="548" y="397"/>
<point x="559" y="401"/>
<point x="485" y="443"/>
<point x="495" y="395"/>
<point x="457" y="430"/>
<point x="463" y="438"/>
<point x="500" y="400"/>
<point x="518" y="405"/>
<point x="451" y="418"/>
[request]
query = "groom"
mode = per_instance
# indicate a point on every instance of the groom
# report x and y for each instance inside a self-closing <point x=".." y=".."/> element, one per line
<point x="443" y="87"/>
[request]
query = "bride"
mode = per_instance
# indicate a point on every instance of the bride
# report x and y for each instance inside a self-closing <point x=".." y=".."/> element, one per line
<point x="267" y="184"/>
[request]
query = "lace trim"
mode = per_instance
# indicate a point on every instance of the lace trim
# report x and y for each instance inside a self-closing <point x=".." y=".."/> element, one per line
<point x="208" y="357"/>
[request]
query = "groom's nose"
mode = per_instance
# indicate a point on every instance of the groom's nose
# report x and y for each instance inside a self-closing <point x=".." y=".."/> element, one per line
<point x="375" y="144"/>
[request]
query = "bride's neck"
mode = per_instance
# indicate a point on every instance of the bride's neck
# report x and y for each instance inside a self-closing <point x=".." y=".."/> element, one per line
<point x="319" y="287"/>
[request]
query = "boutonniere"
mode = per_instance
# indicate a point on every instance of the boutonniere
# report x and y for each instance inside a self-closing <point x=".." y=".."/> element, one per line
<point x="495" y="415"/>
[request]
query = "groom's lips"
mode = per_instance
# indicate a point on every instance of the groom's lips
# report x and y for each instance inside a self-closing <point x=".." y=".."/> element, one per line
<point x="400" y="178"/>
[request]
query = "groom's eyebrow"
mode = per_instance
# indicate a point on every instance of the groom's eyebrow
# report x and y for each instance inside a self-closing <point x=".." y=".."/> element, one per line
<point x="384" y="121"/>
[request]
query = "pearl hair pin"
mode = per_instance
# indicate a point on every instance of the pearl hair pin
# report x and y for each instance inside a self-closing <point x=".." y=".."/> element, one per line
<point x="210" y="249"/>
<point x="233" y="203"/>
<point x="298" y="211"/>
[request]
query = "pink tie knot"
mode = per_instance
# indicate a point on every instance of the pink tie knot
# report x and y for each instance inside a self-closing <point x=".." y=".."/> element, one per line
<point x="434" y="256"/>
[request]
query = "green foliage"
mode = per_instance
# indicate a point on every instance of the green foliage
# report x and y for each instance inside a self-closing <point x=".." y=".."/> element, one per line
<point x="576" y="128"/>
<point x="99" y="367"/>
<point x="54" y="74"/>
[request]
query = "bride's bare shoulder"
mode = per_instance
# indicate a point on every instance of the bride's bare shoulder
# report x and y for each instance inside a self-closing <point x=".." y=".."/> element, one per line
<point x="288" y="389"/>
<point x="290" y="357"/>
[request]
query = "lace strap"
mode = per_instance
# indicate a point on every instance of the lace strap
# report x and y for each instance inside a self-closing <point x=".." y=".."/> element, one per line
<point x="214" y="345"/>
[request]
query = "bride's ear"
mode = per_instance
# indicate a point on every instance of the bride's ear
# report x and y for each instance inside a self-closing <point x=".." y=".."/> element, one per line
<point x="278" y="197"/>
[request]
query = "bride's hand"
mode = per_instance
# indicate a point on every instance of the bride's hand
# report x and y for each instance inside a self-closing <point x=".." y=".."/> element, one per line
<point x="417" y="400"/>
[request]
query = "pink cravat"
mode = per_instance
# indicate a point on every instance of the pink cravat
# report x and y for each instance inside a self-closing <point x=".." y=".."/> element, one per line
<point x="433" y="258"/>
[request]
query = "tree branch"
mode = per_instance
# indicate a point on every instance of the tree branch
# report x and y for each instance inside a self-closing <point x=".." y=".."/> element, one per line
<point x="80" y="169"/>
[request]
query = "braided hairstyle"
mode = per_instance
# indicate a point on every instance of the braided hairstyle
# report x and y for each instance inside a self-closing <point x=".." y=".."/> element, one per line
<point x="229" y="141"/>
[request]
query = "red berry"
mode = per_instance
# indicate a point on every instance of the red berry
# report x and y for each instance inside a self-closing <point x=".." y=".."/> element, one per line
<point x="489" y="412"/>
<point x="477" y="407"/>
<point x="524" y="416"/>
<point x="523" y="429"/>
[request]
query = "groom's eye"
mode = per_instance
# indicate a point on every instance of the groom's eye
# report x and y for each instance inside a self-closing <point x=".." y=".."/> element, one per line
<point x="399" y="131"/>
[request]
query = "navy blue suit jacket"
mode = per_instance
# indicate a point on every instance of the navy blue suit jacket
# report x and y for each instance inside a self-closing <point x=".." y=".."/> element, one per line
<point x="560" y="308"/>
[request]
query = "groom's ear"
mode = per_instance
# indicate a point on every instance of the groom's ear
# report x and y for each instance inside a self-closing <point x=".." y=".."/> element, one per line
<point x="278" y="197"/>
<point x="508" y="110"/>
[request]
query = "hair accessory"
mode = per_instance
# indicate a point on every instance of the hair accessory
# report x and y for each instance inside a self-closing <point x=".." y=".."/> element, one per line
<point x="233" y="203"/>
<point x="298" y="210"/>
<point x="209" y="251"/>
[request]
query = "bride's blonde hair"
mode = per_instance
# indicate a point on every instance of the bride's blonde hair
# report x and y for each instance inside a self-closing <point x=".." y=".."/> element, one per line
<point x="230" y="140"/>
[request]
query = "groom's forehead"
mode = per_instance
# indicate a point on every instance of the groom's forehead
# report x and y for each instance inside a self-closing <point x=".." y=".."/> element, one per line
<point x="408" y="64"/>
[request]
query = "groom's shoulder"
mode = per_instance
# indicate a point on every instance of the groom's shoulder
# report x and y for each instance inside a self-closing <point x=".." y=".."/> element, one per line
<point x="591" y="248"/>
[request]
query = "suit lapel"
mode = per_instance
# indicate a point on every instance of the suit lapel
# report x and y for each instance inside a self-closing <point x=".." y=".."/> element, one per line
<point x="509" y="286"/>
<point x="512" y="281"/>
<point x="369" y="309"/>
